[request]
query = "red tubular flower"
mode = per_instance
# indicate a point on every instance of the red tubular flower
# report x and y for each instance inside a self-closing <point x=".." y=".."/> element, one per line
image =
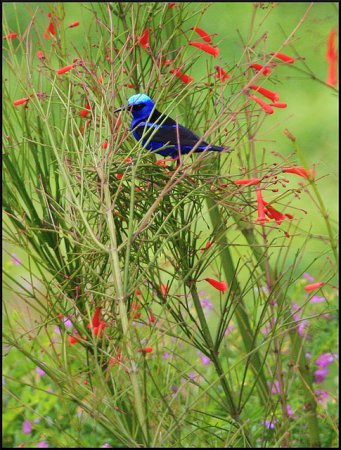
<point x="167" y="62"/>
<point x="247" y="181"/>
<point x="135" y="306"/>
<point x="95" y="321"/>
<point x="49" y="30"/>
<point x="300" y="171"/>
<point x="208" y="245"/>
<point x="85" y="112"/>
<point x="151" y="317"/>
<point x="206" y="37"/>
<point x="182" y="76"/>
<point x="278" y="105"/>
<point x="65" y="69"/>
<point x="144" y="39"/>
<point x="273" y="213"/>
<point x="332" y="77"/>
<point x="40" y="55"/>
<point x="164" y="290"/>
<point x="260" y="207"/>
<point x="98" y="330"/>
<point x="332" y="59"/>
<point x="119" y="176"/>
<point x="221" y="74"/>
<point x="138" y="292"/>
<point x="287" y="59"/>
<point x="105" y="144"/>
<point x="162" y="162"/>
<point x="260" y="68"/>
<point x="115" y="360"/>
<point x="214" y="51"/>
<point x="145" y="350"/>
<point x="265" y="92"/>
<point x="220" y="285"/>
<point x="73" y="339"/>
<point x="171" y="5"/>
<point x="313" y="286"/>
<point x="266" y="108"/>
<point x="10" y="36"/>
<point x="73" y="25"/>
<point x="97" y="324"/>
<point x="21" y="101"/>
<point x="331" y="51"/>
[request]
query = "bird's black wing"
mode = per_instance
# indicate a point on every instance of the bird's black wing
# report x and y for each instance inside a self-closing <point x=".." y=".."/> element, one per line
<point x="169" y="132"/>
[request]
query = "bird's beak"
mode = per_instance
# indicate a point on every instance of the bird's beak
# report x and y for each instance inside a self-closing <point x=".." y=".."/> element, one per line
<point x="122" y="108"/>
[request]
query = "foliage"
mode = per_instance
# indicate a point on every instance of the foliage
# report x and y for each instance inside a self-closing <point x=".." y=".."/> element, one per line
<point x="123" y="343"/>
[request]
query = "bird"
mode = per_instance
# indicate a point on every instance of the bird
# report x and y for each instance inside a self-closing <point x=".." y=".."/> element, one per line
<point x="160" y="133"/>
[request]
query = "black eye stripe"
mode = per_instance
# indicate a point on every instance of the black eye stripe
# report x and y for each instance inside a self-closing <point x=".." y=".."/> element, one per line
<point x="138" y="107"/>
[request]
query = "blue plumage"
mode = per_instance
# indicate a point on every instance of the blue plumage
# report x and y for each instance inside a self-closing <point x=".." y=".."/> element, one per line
<point x="156" y="130"/>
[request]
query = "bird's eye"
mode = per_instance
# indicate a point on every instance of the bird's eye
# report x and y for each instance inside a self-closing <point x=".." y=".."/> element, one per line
<point x="138" y="107"/>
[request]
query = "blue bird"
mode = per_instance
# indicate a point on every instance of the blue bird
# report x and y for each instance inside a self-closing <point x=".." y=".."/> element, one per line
<point x="156" y="130"/>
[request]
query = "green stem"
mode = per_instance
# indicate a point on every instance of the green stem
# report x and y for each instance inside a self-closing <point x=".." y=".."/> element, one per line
<point x="308" y="390"/>
<point x="123" y="313"/>
<point x="241" y="312"/>
<point x="209" y="341"/>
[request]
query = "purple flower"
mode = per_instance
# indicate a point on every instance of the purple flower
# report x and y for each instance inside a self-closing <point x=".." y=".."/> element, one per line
<point x="166" y="355"/>
<point x="174" y="389"/>
<point x="290" y="412"/>
<point x="308" y="277"/>
<point x="308" y="355"/>
<point x="206" y="304"/>
<point x="327" y="316"/>
<point x="205" y="360"/>
<point x="42" y="444"/>
<point x="320" y="374"/>
<point x="40" y="371"/>
<point x="27" y="427"/>
<point x="106" y="446"/>
<point x="16" y="260"/>
<point x="302" y="328"/>
<point x="317" y="299"/>
<point x="322" y="397"/>
<point x="229" y="329"/>
<point x="295" y="307"/>
<point x="192" y="375"/>
<point x="269" y="424"/>
<point x="325" y="359"/>
<point x="275" y="388"/>
<point x="37" y="420"/>
<point x="67" y="322"/>
<point x="266" y="330"/>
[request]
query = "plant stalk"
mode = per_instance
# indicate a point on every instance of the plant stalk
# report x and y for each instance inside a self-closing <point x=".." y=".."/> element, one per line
<point x="123" y="313"/>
